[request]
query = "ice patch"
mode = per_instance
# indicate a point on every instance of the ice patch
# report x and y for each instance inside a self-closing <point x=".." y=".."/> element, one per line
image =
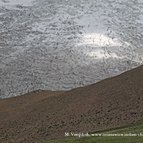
<point x="100" y="54"/>
<point x="98" y="39"/>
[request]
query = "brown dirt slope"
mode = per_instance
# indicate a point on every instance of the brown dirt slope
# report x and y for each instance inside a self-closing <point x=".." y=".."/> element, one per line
<point x="40" y="115"/>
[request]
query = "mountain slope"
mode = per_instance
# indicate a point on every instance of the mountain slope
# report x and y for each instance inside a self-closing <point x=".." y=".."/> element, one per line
<point x="40" y="115"/>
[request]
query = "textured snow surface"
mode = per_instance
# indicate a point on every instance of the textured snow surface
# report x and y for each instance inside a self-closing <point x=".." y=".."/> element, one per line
<point x="16" y="2"/>
<point x="63" y="44"/>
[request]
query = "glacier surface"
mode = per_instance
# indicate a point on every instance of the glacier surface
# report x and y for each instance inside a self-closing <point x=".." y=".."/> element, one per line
<point x="63" y="44"/>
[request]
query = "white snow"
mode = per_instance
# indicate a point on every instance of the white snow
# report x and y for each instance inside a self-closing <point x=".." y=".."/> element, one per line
<point x="99" y="40"/>
<point x="100" y="54"/>
<point x="63" y="44"/>
<point x="16" y="2"/>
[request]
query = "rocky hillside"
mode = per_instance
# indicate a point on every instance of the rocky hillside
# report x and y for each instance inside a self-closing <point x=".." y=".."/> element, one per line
<point x="40" y="115"/>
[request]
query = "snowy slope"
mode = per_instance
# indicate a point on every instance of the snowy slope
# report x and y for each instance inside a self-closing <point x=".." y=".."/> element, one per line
<point x="63" y="44"/>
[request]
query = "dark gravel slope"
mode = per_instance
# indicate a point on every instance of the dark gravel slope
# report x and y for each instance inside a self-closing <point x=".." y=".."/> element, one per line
<point x="40" y="115"/>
